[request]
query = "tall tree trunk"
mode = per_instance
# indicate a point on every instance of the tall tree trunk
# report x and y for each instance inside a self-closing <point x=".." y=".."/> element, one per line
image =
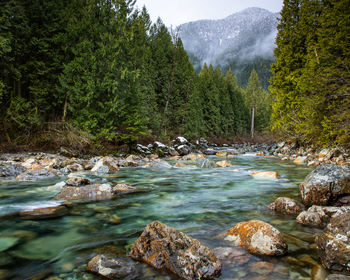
<point x="175" y="36"/>
<point x="65" y="110"/>
<point x="184" y="114"/>
<point x="252" y="125"/>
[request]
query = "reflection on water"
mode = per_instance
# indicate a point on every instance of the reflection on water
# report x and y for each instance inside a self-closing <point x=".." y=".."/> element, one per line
<point x="203" y="202"/>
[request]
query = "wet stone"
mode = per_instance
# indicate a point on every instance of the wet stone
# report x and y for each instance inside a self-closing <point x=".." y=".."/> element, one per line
<point x="258" y="238"/>
<point x="77" y="181"/>
<point x="44" y="213"/>
<point x="233" y="256"/>
<point x="112" y="267"/>
<point x="286" y="205"/>
<point x="8" y="242"/>
<point x="35" y="175"/>
<point x="333" y="245"/>
<point x="262" y="268"/>
<point x="164" y="247"/>
<point x="325" y="184"/>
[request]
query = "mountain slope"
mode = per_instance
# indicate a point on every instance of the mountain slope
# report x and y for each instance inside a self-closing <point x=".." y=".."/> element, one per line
<point x="240" y="39"/>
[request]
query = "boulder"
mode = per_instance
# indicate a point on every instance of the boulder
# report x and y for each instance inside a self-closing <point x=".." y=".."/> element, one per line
<point x="300" y="160"/>
<point x="317" y="216"/>
<point x="164" y="247"/>
<point x="221" y="154"/>
<point x="44" y="213"/>
<point x="112" y="267"/>
<point x="286" y="205"/>
<point x="143" y="149"/>
<point x="325" y="184"/>
<point x="193" y="157"/>
<point x="180" y="141"/>
<point x="333" y="245"/>
<point x="258" y="238"/>
<point x="94" y="192"/>
<point x="77" y="181"/>
<point x="124" y="189"/>
<point x="223" y="163"/>
<point x="313" y="219"/>
<point x="265" y="174"/>
<point x="106" y="165"/>
<point x="35" y="175"/>
<point x="11" y="170"/>
<point x="209" y="152"/>
<point x="133" y="160"/>
<point x="183" y="150"/>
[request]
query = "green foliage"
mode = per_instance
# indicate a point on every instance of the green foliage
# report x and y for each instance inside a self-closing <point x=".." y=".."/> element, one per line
<point x="311" y="82"/>
<point x="102" y="68"/>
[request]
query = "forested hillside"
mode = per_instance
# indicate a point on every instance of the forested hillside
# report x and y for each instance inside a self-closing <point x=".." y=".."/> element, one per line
<point x="311" y="80"/>
<point x="101" y="68"/>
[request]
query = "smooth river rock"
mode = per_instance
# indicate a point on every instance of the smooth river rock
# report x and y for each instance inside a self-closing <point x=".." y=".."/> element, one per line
<point x="286" y="205"/>
<point x="112" y="267"/>
<point x="265" y="174"/>
<point x="164" y="247"/>
<point x="325" y="184"/>
<point x="89" y="192"/>
<point x="333" y="246"/>
<point x="258" y="238"/>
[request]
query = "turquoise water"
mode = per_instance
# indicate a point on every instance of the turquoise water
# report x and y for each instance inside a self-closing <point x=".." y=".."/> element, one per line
<point x="203" y="202"/>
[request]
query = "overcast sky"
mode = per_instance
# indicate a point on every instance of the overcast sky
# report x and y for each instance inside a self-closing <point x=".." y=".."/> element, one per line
<point x="175" y="12"/>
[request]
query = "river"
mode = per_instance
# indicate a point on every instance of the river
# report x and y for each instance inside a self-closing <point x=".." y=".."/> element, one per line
<point x="202" y="202"/>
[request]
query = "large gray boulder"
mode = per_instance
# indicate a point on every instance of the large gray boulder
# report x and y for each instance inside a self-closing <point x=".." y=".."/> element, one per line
<point x="325" y="184"/>
<point x="164" y="247"/>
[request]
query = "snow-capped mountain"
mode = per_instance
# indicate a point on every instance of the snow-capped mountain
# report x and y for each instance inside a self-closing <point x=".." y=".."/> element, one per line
<point x="242" y="36"/>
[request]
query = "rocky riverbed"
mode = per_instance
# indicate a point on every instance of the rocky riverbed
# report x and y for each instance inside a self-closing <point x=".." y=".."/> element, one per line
<point x="231" y="212"/>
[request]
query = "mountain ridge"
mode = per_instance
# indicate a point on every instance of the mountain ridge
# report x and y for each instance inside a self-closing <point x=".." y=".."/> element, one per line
<point x="241" y="37"/>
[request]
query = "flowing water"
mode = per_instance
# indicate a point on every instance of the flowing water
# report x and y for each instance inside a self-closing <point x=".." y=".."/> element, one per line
<point x="202" y="202"/>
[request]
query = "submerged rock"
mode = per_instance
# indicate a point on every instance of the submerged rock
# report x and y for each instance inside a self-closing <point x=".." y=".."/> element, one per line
<point x="89" y="192"/>
<point x="44" y="213"/>
<point x="111" y="267"/>
<point x="333" y="246"/>
<point x="337" y="277"/>
<point x="164" y="247"/>
<point x="124" y="189"/>
<point x="223" y="163"/>
<point x="258" y="238"/>
<point x="7" y="242"/>
<point x="233" y="256"/>
<point x="193" y="157"/>
<point x="286" y="205"/>
<point x="325" y="184"/>
<point x="265" y="174"/>
<point x="35" y="175"/>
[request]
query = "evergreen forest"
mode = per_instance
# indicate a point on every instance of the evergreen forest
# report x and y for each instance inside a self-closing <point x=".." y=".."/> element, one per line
<point x="103" y="70"/>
